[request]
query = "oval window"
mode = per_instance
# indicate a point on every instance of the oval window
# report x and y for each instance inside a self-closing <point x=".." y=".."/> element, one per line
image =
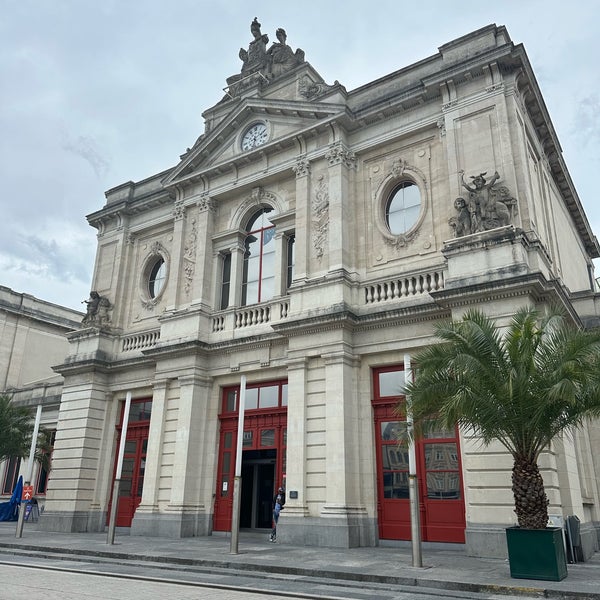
<point x="403" y="207"/>
<point x="157" y="278"/>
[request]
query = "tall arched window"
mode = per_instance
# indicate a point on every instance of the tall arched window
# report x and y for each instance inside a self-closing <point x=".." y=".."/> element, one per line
<point x="258" y="283"/>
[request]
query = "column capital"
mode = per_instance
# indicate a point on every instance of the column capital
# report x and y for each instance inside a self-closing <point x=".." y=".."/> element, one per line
<point x="301" y="167"/>
<point x="339" y="154"/>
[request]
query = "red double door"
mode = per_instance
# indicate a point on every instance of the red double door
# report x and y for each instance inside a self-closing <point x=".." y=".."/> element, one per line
<point x="440" y="489"/>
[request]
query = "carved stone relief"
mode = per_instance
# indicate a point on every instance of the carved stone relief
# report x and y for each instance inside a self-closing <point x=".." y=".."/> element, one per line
<point x="178" y="210"/>
<point x="486" y="207"/>
<point x="189" y="257"/>
<point x="320" y="216"/>
<point x="310" y="89"/>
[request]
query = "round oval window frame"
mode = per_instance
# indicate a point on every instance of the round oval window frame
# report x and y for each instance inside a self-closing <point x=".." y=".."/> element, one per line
<point x="383" y="197"/>
<point x="150" y="264"/>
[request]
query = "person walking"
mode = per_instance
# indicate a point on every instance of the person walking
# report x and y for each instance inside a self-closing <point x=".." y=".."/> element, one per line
<point x="278" y="502"/>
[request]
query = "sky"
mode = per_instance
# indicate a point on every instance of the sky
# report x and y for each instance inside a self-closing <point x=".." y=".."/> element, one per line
<point x="94" y="93"/>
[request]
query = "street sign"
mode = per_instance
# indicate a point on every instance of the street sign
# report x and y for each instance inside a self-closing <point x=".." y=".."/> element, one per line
<point x="27" y="493"/>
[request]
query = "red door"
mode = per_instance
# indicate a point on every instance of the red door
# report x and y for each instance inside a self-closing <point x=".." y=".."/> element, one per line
<point x="263" y="450"/>
<point x="441" y="503"/>
<point x="134" y="461"/>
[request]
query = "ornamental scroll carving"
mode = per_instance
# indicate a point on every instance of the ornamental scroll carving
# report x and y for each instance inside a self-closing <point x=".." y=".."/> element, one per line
<point x="320" y="216"/>
<point x="486" y="206"/>
<point x="189" y="257"/>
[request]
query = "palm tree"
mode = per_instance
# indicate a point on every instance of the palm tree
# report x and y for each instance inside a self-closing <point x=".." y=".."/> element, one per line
<point x="16" y="428"/>
<point x="523" y="388"/>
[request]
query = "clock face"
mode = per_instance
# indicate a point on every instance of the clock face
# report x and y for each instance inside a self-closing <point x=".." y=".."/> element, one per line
<point x="254" y="136"/>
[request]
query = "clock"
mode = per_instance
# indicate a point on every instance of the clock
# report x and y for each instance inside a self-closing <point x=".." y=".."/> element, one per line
<point x="254" y="136"/>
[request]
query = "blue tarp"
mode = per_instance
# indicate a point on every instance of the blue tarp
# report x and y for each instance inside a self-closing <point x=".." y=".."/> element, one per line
<point x="9" y="511"/>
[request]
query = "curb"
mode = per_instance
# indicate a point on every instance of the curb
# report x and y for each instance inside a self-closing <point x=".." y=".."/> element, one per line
<point x="350" y="576"/>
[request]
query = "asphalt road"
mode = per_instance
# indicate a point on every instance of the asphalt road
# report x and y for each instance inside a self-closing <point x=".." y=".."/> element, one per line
<point x="51" y="579"/>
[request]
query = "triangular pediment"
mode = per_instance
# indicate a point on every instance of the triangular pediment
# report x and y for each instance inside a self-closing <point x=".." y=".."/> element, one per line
<point x="295" y="106"/>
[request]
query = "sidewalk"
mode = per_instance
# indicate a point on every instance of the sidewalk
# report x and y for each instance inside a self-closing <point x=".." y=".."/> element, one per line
<point x="445" y="567"/>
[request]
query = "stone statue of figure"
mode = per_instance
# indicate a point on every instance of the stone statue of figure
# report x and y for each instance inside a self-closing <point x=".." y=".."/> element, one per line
<point x="282" y="57"/>
<point x="486" y="208"/>
<point x="96" y="310"/>
<point x="256" y="57"/>
<point x="461" y="223"/>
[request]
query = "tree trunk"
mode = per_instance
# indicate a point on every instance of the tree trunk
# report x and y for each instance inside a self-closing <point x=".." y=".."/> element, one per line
<point x="531" y="503"/>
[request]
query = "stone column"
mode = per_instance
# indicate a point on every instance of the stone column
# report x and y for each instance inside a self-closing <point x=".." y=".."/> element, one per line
<point x="82" y="430"/>
<point x="173" y="291"/>
<point x="303" y="216"/>
<point x="188" y="512"/>
<point x="145" y="520"/>
<point x="203" y="276"/>
<point x="237" y="266"/>
<point x="296" y="508"/>
<point x="344" y="518"/>
<point x="341" y="162"/>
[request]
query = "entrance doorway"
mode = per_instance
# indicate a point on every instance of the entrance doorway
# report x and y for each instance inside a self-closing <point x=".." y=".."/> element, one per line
<point x="438" y="463"/>
<point x="258" y="483"/>
<point x="263" y="454"/>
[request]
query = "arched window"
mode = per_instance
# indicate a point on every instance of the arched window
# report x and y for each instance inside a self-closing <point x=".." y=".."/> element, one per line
<point x="258" y="283"/>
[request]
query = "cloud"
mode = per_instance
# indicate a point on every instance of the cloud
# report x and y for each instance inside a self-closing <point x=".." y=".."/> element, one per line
<point x="87" y="148"/>
<point x="586" y="122"/>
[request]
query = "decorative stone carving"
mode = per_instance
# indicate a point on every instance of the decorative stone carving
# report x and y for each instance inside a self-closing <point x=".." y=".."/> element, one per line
<point x="320" y="220"/>
<point x="488" y="206"/>
<point x="302" y="167"/>
<point x="281" y="57"/>
<point x="398" y="167"/>
<point x="310" y="89"/>
<point x="260" y="65"/>
<point x="97" y="311"/>
<point x="339" y="154"/>
<point x="189" y="257"/>
<point x="206" y="203"/>
<point x="178" y="210"/>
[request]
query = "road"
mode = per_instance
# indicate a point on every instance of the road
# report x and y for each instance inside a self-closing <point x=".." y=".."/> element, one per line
<point x="51" y="579"/>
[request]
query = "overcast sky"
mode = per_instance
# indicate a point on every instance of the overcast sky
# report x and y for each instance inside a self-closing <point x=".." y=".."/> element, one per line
<point x="98" y="92"/>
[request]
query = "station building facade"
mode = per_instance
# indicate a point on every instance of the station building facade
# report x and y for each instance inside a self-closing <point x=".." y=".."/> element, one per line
<point x="310" y="239"/>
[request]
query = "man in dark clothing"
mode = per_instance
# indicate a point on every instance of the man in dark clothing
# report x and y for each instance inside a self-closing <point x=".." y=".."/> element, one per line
<point x="278" y="502"/>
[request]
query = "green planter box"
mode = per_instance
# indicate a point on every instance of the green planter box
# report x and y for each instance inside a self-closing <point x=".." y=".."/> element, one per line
<point x="536" y="553"/>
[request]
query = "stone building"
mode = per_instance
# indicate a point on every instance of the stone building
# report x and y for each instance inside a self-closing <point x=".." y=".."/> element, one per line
<point x="309" y="240"/>
<point x="32" y="340"/>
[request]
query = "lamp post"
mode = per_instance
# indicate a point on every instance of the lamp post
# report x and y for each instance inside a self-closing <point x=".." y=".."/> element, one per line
<point x="237" y="482"/>
<point x="36" y="427"/>
<point x="117" y="482"/>
<point x="413" y="490"/>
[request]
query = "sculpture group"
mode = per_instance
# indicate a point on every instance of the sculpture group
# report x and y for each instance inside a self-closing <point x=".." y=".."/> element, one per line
<point x="97" y="311"/>
<point x="266" y="63"/>
<point x="486" y="207"/>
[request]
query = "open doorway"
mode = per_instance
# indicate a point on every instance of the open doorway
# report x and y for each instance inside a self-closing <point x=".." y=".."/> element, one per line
<point x="258" y="485"/>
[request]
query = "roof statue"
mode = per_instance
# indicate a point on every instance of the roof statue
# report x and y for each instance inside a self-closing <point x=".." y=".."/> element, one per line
<point x="261" y="65"/>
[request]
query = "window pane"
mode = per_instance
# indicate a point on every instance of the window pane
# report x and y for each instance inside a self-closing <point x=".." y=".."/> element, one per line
<point x="393" y="431"/>
<point x="231" y="401"/>
<point x="130" y="446"/>
<point x="395" y="485"/>
<point x="394" y="458"/>
<point x="251" y="398"/>
<point x="248" y="438"/>
<point x="443" y="486"/>
<point x="403" y="208"/>
<point x="267" y="289"/>
<point x="225" y="281"/>
<point x="291" y="257"/>
<point x="391" y="384"/>
<point x="440" y="457"/>
<point x="228" y="439"/>
<point x="269" y="396"/>
<point x="157" y="278"/>
<point x="226" y="462"/>
<point x="284" y="394"/>
<point x="267" y="437"/>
